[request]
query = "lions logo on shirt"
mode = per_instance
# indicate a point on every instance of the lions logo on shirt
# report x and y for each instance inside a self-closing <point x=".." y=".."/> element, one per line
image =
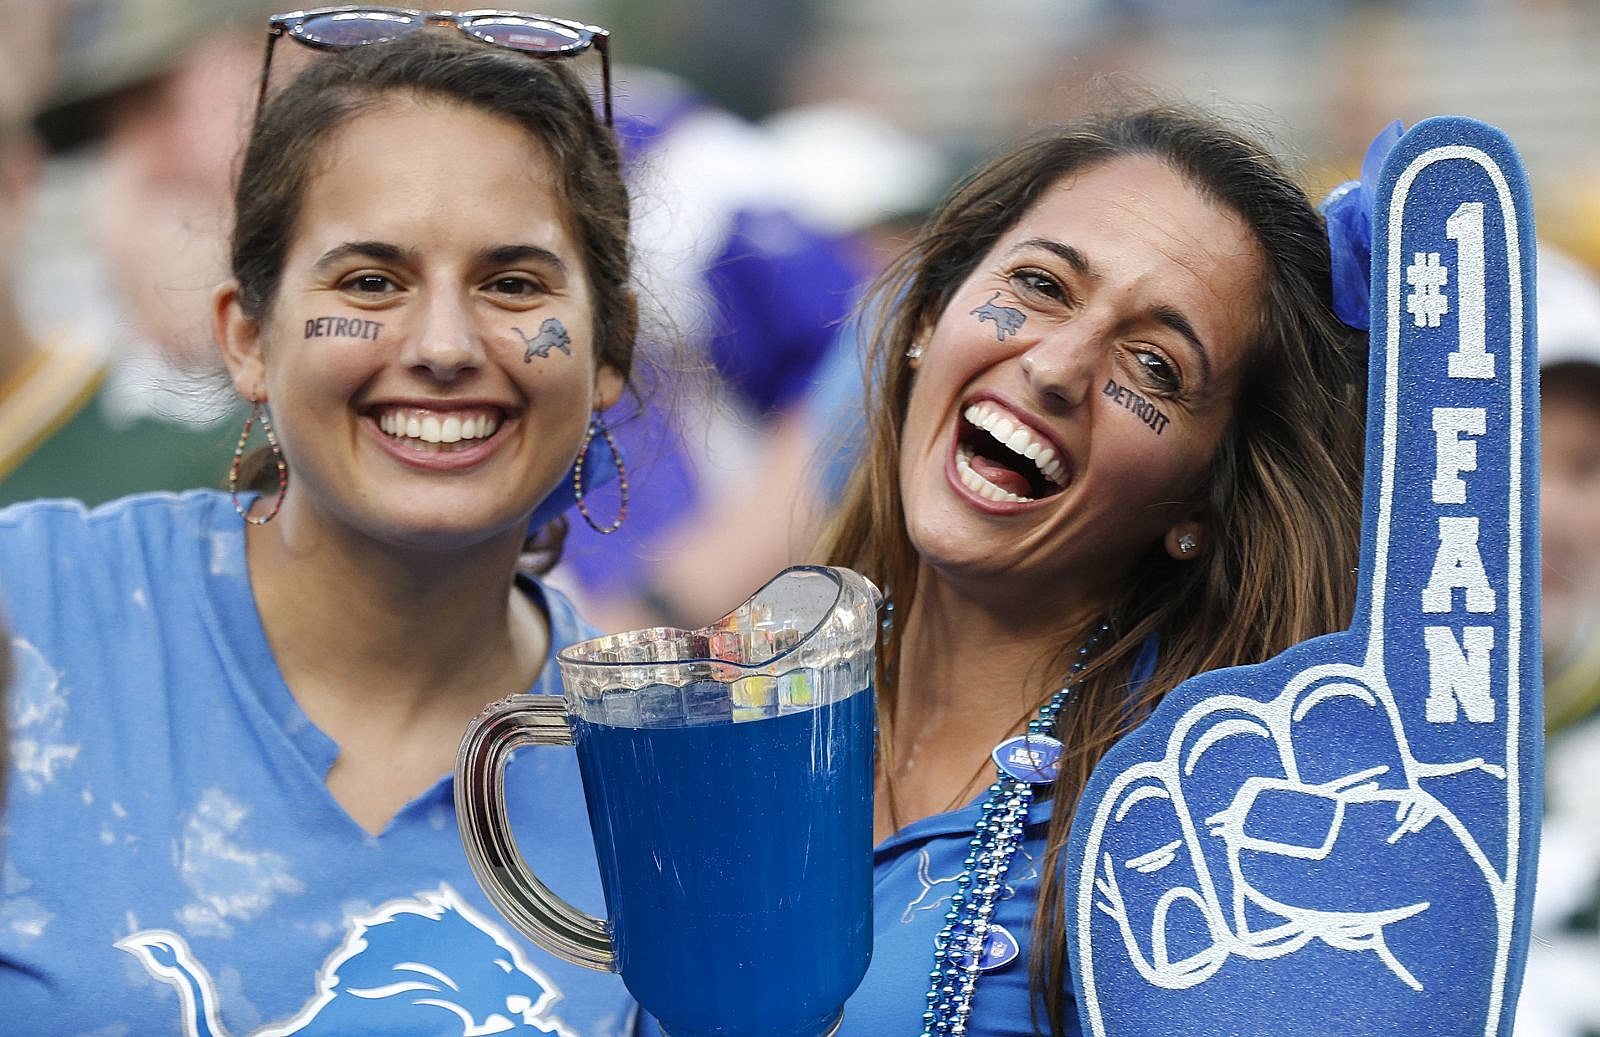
<point x="375" y="983"/>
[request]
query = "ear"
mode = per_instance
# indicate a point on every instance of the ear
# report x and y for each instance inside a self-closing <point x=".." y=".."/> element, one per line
<point x="918" y="346"/>
<point x="239" y="338"/>
<point x="608" y="383"/>
<point x="1186" y="540"/>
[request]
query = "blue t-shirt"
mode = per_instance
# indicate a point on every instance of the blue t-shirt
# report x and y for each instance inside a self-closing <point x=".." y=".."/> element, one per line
<point x="914" y="872"/>
<point x="173" y="860"/>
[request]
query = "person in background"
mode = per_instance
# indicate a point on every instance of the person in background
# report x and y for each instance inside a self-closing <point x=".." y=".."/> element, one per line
<point x="240" y="715"/>
<point x="87" y="414"/>
<point x="750" y="288"/>
<point x="867" y="182"/>
<point x="1115" y="438"/>
<point x="1559" y="996"/>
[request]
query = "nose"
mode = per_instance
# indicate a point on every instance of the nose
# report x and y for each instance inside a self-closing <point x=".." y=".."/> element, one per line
<point x="446" y="345"/>
<point x="1061" y="366"/>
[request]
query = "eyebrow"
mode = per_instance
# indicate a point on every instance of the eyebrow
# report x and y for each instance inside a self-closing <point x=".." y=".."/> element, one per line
<point x="379" y="250"/>
<point x="382" y="251"/>
<point x="1166" y="315"/>
<point x="501" y="255"/>
<point x="1069" y="255"/>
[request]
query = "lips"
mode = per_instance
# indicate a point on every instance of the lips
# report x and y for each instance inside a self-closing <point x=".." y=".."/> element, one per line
<point x="1002" y="458"/>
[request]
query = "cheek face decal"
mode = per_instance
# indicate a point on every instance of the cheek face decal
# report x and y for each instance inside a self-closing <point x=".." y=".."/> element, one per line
<point x="1141" y="408"/>
<point x="552" y="335"/>
<point x="1007" y="321"/>
<point x="343" y="327"/>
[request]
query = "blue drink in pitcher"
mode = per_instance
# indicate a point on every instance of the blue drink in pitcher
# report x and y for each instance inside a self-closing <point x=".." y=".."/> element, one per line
<point x="773" y="839"/>
<point x="728" y="773"/>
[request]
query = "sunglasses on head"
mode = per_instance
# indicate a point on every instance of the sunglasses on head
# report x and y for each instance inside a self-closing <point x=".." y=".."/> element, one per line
<point x="343" y="28"/>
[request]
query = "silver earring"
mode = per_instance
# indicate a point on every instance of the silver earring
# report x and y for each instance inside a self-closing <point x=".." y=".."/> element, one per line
<point x="1186" y="543"/>
<point x="914" y="353"/>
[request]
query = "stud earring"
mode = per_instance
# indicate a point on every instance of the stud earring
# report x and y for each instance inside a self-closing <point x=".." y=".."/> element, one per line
<point x="1186" y="543"/>
<point x="596" y="424"/>
<point x="914" y="353"/>
<point x="258" y="412"/>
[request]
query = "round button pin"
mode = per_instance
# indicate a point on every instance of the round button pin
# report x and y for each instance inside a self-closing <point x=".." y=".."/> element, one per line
<point x="1035" y="759"/>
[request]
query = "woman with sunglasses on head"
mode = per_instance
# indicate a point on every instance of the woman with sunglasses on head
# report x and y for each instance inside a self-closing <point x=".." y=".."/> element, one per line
<point x="1114" y="442"/>
<point x="237" y="717"/>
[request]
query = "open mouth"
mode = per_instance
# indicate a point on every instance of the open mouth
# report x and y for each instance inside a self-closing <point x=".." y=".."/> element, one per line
<point x="1001" y="459"/>
<point x="438" y="431"/>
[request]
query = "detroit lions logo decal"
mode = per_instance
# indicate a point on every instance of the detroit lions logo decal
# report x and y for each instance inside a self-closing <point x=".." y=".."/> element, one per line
<point x="1007" y="320"/>
<point x="552" y="335"/>
<point x="407" y="967"/>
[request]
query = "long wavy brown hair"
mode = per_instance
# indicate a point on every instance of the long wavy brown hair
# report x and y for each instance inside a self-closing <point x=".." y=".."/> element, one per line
<point x="1283" y="490"/>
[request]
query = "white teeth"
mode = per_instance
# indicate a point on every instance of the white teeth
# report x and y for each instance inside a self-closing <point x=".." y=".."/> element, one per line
<point x="978" y="484"/>
<point x="1016" y="437"/>
<point x="432" y="428"/>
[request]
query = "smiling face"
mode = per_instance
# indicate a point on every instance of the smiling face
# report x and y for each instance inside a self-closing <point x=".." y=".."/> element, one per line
<point x="429" y="357"/>
<point x="1072" y="394"/>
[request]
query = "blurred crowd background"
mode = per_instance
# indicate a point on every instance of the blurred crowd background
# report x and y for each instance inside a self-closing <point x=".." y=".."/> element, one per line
<point x="779" y="149"/>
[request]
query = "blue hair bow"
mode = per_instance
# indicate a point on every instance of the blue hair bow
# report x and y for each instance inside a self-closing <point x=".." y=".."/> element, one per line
<point x="1348" y="210"/>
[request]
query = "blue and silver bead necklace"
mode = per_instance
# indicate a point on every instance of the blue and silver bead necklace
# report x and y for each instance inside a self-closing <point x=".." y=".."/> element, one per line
<point x="971" y="942"/>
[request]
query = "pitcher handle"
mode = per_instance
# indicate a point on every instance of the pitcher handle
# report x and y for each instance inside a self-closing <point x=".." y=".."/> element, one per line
<point x="529" y="904"/>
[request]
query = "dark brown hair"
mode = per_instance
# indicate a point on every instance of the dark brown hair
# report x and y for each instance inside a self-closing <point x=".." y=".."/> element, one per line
<point x="1282" y="491"/>
<point x="543" y="96"/>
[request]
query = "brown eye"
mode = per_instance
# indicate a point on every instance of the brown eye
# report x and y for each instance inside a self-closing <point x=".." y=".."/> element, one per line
<point x="516" y="286"/>
<point x="1157" y="371"/>
<point x="1037" y="284"/>
<point x="370" y="284"/>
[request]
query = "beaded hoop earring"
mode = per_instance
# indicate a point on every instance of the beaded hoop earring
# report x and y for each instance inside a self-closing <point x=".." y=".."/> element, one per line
<point x="258" y="410"/>
<point x="597" y="424"/>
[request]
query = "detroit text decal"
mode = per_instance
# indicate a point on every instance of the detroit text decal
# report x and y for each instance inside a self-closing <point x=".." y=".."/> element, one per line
<point x="1340" y="840"/>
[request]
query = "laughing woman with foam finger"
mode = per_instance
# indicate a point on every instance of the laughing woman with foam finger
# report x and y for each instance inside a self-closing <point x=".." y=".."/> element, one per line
<point x="1115" y="432"/>
<point x="236" y="719"/>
